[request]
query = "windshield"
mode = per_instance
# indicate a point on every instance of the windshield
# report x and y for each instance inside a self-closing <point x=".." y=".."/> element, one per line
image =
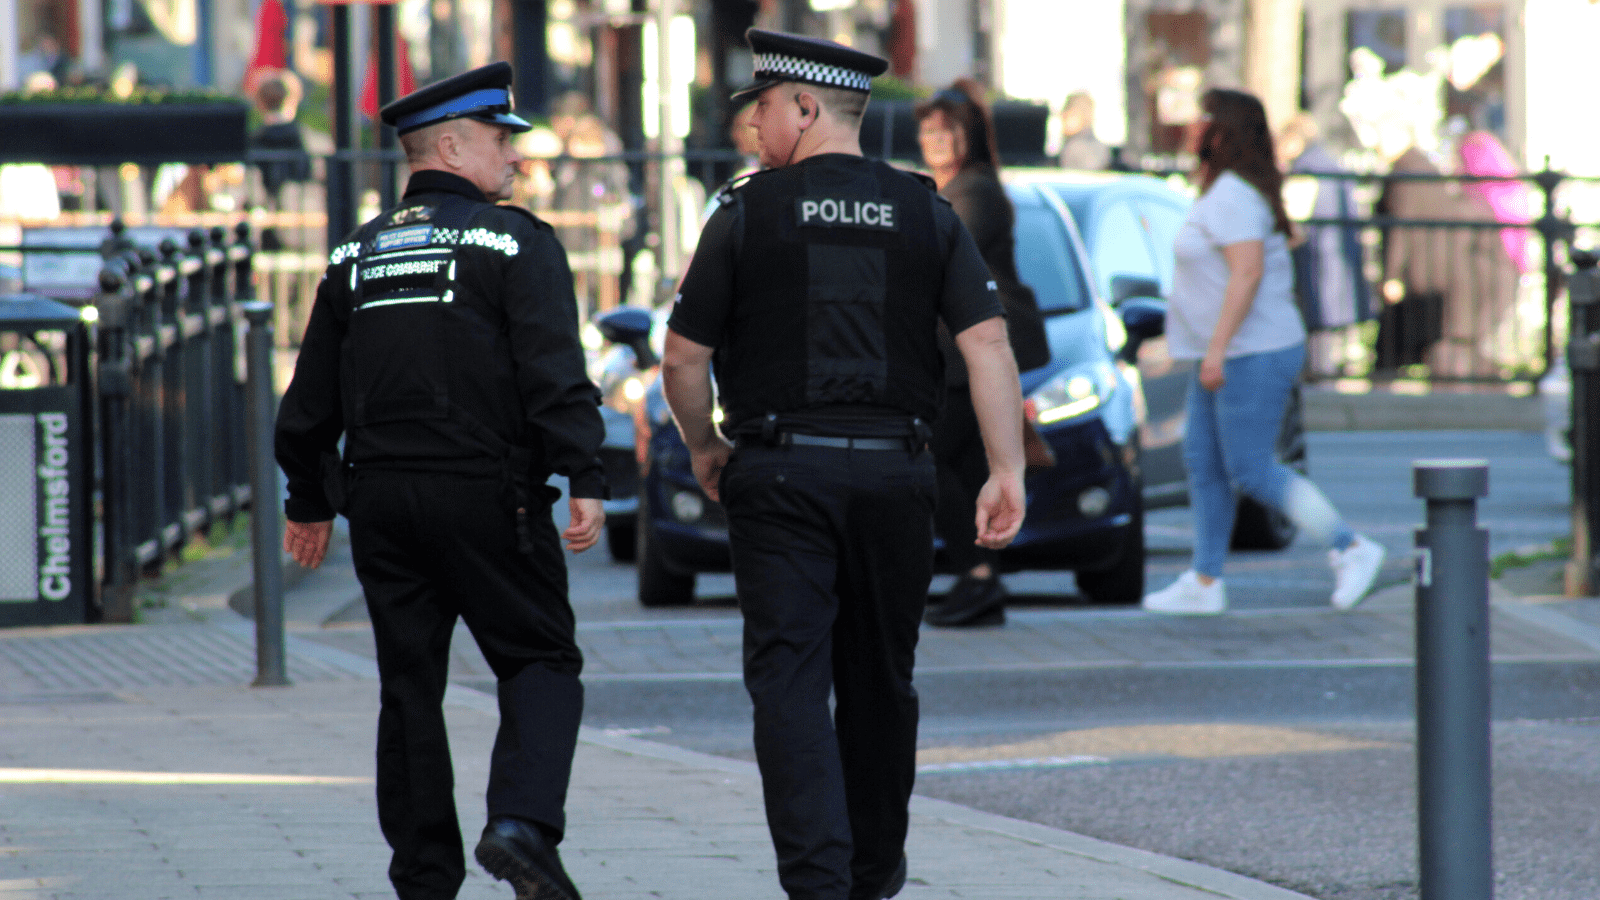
<point x="1046" y="263"/>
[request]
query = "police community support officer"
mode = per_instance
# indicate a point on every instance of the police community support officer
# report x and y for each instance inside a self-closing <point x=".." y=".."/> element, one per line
<point x="817" y="288"/>
<point x="443" y="345"/>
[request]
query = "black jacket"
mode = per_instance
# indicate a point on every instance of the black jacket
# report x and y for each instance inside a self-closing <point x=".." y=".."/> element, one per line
<point x="980" y="200"/>
<point x="442" y="375"/>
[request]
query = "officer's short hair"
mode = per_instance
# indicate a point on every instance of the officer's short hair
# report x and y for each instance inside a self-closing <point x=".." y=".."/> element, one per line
<point x="419" y="145"/>
<point x="846" y="106"/>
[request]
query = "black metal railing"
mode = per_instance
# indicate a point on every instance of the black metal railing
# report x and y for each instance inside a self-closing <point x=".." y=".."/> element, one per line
<point x="171" y="399"/>
<point x="1467" y="312"/>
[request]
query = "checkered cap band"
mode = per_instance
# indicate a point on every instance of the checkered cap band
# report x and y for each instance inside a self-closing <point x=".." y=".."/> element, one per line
<point x="797" y="69"/>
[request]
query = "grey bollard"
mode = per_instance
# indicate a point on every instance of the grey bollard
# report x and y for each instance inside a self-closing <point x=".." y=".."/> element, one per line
<point x="266" y="538"/>
<point x="1453" y="800"/>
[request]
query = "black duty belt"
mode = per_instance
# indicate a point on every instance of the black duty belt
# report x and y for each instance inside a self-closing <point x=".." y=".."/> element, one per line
<point x="838" y="443"/>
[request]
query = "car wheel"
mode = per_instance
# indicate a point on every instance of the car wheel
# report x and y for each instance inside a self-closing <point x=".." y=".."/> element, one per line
<point x="1257" y="527"/>
<point x="659" y="585"/>
<point x="621" y="540"/>
<point x="1123" y="583"/>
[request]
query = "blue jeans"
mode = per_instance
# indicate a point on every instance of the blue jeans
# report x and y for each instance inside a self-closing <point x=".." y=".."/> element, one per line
<point x="1230" y="447"/>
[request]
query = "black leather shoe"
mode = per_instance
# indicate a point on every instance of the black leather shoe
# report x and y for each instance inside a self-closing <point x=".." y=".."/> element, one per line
<point x="896" y="881"/>
<point x="972" y="602"/>
<point x="513" y="850"/>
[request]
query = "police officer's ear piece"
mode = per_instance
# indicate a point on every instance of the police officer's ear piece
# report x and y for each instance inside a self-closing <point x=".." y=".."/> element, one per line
<point x="805" y="112"/>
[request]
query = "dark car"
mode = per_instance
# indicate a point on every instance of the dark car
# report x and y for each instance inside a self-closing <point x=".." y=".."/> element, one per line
<point x="1110" y="403"/>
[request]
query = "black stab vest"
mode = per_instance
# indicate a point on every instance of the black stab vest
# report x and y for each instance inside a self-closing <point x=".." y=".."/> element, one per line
<point x="409" y="330"/>
<point x="836" y="284"/>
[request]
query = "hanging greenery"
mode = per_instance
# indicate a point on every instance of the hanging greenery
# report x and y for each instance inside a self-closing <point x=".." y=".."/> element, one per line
<point x="139" y="96"/>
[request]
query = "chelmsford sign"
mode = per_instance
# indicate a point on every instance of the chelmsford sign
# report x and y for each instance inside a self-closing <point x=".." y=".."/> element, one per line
<point x="46" y="542"/>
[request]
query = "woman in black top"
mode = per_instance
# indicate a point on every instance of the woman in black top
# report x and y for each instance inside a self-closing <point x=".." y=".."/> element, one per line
<point x="958" y="146"/>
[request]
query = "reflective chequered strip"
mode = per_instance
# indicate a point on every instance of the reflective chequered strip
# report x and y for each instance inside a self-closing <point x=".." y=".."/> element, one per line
<point x="770" y="64"/>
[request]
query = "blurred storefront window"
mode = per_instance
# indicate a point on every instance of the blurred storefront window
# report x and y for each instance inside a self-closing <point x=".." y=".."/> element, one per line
<point x="1475" y="98"/>
<point x="1382" y="31"/>
<point x="156" y="37"/>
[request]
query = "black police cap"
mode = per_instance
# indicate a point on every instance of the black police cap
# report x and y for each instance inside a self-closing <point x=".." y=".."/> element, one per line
<point x="483" y="94"/>
<point x="781" y="57"/>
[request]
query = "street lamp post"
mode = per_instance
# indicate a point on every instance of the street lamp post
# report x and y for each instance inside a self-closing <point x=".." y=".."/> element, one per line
<point x="670" y="146"/>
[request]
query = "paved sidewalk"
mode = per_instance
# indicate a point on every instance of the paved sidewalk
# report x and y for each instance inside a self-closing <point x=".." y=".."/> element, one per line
<point x="128" y="771"/>
<point x="137" y="763"/>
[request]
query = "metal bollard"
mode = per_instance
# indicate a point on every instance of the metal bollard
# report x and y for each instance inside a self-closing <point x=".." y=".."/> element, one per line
<point x="1583" y="363"/>
<point x="1453" y="800"/>
<point x="266" y="539"/>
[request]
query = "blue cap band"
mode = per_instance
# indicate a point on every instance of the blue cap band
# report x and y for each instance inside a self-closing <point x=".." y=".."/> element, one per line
<point x="480" y="99"/>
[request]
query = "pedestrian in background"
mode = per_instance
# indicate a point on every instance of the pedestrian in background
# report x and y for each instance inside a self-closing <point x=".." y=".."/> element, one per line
<point x="956" y="134"/>
<point x="1232" y="309"/>
<point x="1329" y="265"/>
<point x="277" y="98"/>
<point x="443" y="346"/>
<point x="819" y="286"/>
<point x="1080" y="149"/>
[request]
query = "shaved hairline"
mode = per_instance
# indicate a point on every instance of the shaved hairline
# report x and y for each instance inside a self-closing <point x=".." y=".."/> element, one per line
<point x="846" y="106"/>
<point x="423" y="144"/>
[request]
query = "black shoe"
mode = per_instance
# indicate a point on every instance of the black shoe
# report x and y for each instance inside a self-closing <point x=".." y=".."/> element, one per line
<point x="897" y="880"/>
<point x="513" y="850"/>
<point x="972" y="602"/>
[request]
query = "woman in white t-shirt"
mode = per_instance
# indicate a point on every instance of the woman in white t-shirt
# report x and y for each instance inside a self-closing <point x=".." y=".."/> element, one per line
<point x="1232" y="308"/>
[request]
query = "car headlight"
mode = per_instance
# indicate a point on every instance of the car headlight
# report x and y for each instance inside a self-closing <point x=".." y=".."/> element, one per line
<point x="1074" y="392"/>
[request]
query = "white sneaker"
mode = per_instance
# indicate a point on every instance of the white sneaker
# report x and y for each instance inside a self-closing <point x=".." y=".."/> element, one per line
<point x="1354" y="570"/>
<point x="1187" y="596"/>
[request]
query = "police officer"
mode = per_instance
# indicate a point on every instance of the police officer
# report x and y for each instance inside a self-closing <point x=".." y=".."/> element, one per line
<point x="443" y="346"/>
<point x="817" y="288"/>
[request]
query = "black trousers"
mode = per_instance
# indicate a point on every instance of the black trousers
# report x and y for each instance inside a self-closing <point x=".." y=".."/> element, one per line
<point x="429" y="548"/>
<point x="832" y="555"/>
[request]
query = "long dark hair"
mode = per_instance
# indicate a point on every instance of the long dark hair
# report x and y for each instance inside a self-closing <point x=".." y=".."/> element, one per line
<point x="962" y="103"/>
<point x="1236" y="139"/>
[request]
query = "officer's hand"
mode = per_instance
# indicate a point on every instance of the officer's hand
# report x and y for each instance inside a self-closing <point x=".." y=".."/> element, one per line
<point x="708" y="465"/>
<point x="1000" y="510"/>
<point x="307" y="542"/>
<point x="588" y="516"/>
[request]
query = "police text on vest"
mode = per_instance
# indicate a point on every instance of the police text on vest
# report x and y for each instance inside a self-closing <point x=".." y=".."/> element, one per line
<point x="847" y="212"/>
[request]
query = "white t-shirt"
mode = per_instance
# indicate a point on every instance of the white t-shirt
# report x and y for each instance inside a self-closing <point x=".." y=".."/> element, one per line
<point x="1231" y="212"/>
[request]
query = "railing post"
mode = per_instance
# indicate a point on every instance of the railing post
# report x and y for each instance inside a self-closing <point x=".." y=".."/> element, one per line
<point x="265" y="536"/>
<point x="117" y="441"/>
<point x="1551" y="229"/>
<point x="151" y="410"/>
<point x="1453" y="798"/>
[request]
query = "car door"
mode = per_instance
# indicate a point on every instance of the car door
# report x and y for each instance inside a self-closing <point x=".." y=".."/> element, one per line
<point x="1129" y="242"/>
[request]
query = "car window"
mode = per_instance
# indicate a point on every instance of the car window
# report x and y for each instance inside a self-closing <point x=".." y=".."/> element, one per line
<point x="1120" y="245"/>
<point x="1162" y="221"/>
<point x="1046" y="263"/>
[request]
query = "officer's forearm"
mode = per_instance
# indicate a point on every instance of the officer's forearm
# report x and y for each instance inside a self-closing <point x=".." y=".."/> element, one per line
<point x="686" y="383"/>
<point x="996" y="393"/>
